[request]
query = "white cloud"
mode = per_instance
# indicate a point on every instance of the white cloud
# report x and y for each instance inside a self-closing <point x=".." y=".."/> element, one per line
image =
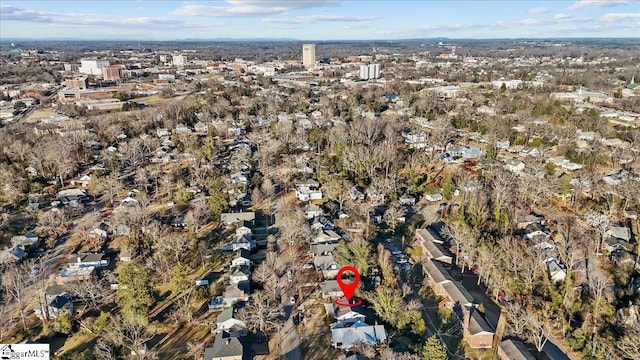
<point x="250" y="8"/>
<point x="358" y="26"/>
<point x="311" y="19"/>
<point x="12" y="13"/>
<point x="599" y="3"/>
<point x="539" y="10"/>
<point x="620" y="16"/>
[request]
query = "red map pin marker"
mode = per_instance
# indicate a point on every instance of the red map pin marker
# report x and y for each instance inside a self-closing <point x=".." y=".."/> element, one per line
<point x="348" y="289"/>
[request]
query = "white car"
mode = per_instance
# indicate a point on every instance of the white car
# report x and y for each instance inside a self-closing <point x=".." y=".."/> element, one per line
<point x="293" y="300"/>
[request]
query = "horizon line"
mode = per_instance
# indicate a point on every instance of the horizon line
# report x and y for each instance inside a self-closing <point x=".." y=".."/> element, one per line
<point x="10" y="39"/>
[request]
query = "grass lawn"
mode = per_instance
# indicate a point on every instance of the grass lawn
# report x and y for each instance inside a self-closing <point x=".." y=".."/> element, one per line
<point x="39" y="114"/>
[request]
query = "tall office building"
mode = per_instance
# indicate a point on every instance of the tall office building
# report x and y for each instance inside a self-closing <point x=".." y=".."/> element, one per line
<point x="92" y="66"/>
<point x="309" y="56"/>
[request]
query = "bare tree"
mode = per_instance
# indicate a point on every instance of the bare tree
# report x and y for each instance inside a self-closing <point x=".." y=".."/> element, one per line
<point x="104" y="351"/>
<point x="261" y="314"/>
<point x="599" y="222"/>
<point x="537" y="332"/>
<point x="517" y="320"/>
<point x="629" y="344"/>
<point x="15" y="286"/>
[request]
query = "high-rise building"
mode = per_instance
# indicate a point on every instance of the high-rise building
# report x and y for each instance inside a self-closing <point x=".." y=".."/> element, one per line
<point x="179" y="60"/>
<point x="92" y="66"/>
<point x="364" y="72"/>
<point x="374" y="71"/>
<point x="309" y="56"/>
<point x="371" y="71"/>
<point x="112" y="73"/>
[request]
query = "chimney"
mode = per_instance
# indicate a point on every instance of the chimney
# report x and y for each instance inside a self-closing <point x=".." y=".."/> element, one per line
<point x="228" y="341"/>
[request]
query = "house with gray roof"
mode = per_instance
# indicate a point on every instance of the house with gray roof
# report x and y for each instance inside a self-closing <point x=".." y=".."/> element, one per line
<point x="331" y="290"/>
<point x="228" y="348"/>
<point x="477" y="331"/>
<point x="432" y="246"/>
<point x="513" y="350"/>
<point x="28" y="239"/>
<point x="436" y="276"/>
<point x="98" y="260"/>
<point x="235" y="218"/>
<point x="346" y="335"/>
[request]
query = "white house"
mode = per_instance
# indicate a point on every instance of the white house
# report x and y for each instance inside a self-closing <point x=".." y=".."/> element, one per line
<point x="514" y="165"/>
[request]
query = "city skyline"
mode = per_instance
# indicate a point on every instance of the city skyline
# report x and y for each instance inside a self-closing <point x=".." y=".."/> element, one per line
<point x="317" y="20"/>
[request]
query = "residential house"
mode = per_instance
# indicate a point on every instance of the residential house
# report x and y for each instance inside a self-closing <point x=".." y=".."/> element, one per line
<point x="343" y="314"/>
<point x="564" y="163"/>
<point x="239" y="274"/>
<point x="53" y="305"/>
<point x="556" y="272"/>
<point x="530" y="219"/>
<point x="434" y="197"/>
<point x="322" y="223"/>
<point x="326" y="236"/>
<point x="241" y="257"/>
<point x="99" y="231"/>
<point x="82" y="181"/>
<point x="324" y="261"/>
<point x="99" y="260"/>
<point x="529" y="151"/>
<point x="71" y="196"/>
<point x="243" y="241"/>
<point x="228" y="348"/>
<point x="618" y="237"/>
<point x="162" y="132"/>
<point x="227" y="322"/>
<point x="476" y="330"/>
<point x="346" y="335"/>
<point x="513" y="350"/>
<point x="407" y="199"/>
<point x="75" y="274"/>
<point x="12" y="255"/>
<point x="236" y="218"/>
<point x="236" y="292"/>
<point x="536" y="232"/>
<point x="331" y="290"/>
<point x="356" y="193"/>
<point x="28" y="239"/>
<point x="312" y="211"/>
<point x="308" y="190"/>
<point x="514" y="165"/>
<point x="629" y="316"/>
<point x="217" y="302"/>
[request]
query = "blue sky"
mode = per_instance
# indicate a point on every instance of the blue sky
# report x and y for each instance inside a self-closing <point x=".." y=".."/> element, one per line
<point x="317" y="19"/>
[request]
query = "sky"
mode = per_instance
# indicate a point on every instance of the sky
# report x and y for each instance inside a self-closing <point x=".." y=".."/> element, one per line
<point x="317" y="19"/>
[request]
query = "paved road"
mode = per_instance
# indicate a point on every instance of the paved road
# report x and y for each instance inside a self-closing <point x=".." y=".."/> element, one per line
<point x="290" y="345"/>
